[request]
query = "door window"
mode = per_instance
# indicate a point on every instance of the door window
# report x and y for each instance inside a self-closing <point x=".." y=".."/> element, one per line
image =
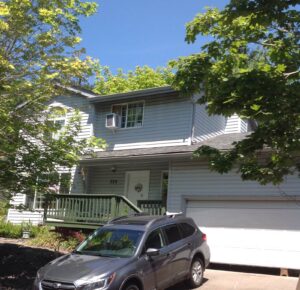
<point x="172" y="233"/>
<point x="154" y="240"/>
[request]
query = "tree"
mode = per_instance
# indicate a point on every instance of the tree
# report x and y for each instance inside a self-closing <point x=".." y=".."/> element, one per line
<point x="38" y="49"/>
<point x="141" y="78"/>
<point x="250" y="67"/>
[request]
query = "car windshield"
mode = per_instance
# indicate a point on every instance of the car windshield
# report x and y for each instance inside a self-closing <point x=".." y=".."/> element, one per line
<point x="111" y="243"/>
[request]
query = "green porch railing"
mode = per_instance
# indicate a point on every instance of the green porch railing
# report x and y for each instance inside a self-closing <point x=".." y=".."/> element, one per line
<point x="86" y="210"/>
<point x="152" y="207"/>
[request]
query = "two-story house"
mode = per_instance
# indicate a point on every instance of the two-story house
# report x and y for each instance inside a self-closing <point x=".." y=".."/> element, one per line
<point x="151" y="135"/>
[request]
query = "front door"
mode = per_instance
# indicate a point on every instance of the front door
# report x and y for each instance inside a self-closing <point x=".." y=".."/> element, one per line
<point x="137" y="185"/>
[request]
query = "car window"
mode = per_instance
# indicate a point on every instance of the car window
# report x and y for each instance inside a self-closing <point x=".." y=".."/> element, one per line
<point x="111" y="243"/>
<point x="186" y="229"/>
<point x="154" y="240"/>
<point x="172" y="233"/>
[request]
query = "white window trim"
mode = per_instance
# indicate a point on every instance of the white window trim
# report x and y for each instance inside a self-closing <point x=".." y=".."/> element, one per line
<point x="127" y="103"/>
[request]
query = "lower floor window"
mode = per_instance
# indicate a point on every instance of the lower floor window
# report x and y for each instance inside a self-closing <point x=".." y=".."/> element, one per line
<point x="59" y="183"/>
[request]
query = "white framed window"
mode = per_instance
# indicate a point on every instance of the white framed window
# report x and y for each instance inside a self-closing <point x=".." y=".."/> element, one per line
<point x="59" y="183"/>
<point x="131" y="114"/>
<point x="57" y="117"/>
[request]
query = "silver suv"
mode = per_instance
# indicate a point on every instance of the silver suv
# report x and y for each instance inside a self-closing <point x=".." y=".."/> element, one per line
<point x="132" y="253"/>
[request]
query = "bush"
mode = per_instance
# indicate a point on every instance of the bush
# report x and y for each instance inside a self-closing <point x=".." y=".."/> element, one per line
<point x="62" y="240"/>
<point x="9" y="230"/>
<point x="3" y="210"/>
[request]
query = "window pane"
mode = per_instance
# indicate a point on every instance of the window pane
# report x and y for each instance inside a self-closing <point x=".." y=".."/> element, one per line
<point x="164" y="187"/>
<point x="135" y="115"/>
<point x="173" y="234"/>
<point x="154" y="240"/>
<point x="186" y="229"/>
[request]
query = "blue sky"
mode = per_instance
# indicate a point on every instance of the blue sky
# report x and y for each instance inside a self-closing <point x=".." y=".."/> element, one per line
<point x="127" y="33"/>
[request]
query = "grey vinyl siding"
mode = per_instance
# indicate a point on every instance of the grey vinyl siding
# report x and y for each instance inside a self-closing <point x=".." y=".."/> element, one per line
<point x="244" y="126"/>
<point x="18" y="217"/>
<point x="206" y="126"/>
<point x="166" y="122"/>
<point x="233" y="124"/>
<point x="99" y="178"/>
<point x="195" y="179"/>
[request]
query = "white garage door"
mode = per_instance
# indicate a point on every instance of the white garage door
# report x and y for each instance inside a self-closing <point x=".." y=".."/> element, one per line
<point x="250" y="232"/>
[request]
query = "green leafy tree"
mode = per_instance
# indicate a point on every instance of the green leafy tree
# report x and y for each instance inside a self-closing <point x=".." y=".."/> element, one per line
<point x="250" y="67"/>
<point x="141" y="78"/>
<point x="39" y="48"/>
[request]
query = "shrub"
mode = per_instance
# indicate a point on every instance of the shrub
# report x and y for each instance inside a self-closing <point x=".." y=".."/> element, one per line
<point x="9" y="230"/>
<point x="45" y="237"/>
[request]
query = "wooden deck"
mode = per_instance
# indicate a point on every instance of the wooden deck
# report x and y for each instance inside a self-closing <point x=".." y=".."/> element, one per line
<point x="93" y="210"/>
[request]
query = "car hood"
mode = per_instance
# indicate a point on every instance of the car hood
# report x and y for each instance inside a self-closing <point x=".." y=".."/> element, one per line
<point x="74" y="267"/>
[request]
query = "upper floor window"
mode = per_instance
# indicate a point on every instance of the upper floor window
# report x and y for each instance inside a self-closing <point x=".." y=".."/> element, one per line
<point x="131" y="114"/>
<point x="57" y="117"/>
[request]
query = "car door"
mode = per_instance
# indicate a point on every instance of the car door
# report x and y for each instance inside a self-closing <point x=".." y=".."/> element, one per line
<point x="177" y="250"/>
<point x="155" y="269"/>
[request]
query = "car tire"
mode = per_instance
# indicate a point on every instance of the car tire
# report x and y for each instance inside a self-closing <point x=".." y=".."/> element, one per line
<point x="196" y="273"/>
<point x="131" y="287"/>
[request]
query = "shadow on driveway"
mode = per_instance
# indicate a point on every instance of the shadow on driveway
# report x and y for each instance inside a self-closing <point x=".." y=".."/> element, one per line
<point x="19" y="264"/>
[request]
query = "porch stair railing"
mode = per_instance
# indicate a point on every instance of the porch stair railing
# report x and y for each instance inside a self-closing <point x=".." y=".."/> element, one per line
<point x="86" y="210"/>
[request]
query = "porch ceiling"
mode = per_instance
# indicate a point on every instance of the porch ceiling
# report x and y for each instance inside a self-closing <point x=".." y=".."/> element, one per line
<point x="221" y="142"/>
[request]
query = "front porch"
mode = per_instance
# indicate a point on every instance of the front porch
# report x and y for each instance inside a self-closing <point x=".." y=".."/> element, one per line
<point x="94" y="210"/>
<point x="104" y="189"/>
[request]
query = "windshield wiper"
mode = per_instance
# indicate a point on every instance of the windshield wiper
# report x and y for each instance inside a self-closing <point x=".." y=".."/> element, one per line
<point x="77" y="252"/>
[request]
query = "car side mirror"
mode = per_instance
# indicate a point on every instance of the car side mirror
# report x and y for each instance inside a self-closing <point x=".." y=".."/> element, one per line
<point x="151" y="252"/>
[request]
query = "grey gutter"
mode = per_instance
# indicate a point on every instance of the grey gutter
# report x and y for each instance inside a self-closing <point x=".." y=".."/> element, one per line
<point x="133" y="94"/>
<point x="136" y="157"/>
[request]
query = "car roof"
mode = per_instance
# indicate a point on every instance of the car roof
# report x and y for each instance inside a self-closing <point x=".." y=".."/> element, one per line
<point x="143" y="222"/>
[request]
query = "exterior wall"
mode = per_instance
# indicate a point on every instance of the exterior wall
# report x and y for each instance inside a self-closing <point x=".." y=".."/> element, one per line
<point x="206" y="126"/>
<point x="87" y="115"/>
<point x="192" y="178"/>
<point x="99" y="178"/>
<point x="234" y="124"/>
<point x="167" y="121"/>
<point x="17" y="217"/>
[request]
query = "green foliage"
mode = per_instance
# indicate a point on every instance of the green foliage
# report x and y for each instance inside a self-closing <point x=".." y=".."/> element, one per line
<point x="38" y="49"/>
<point x="9" y="230"/>
<point x="251" y="67"/>
<point x="47" y="238"/>
<point x="141" y="78"/>
<point x="3" y="209"/>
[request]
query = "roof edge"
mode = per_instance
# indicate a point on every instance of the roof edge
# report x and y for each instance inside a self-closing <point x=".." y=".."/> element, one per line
<point x="133" y="94"/>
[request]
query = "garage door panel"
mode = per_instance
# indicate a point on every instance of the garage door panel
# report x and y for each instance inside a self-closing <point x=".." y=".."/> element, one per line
<point x="258" y="234"/>
<point x="254" y="215"/>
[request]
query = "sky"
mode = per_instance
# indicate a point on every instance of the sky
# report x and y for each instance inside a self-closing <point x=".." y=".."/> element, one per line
<point x="127" y="33"/>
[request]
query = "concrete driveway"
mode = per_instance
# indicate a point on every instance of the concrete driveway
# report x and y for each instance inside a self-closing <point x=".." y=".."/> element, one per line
<point x="227" y="280"/>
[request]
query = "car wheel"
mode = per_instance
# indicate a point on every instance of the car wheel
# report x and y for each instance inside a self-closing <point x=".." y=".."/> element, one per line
<point x="196" y="273"/>
<point x="131" y="287"/>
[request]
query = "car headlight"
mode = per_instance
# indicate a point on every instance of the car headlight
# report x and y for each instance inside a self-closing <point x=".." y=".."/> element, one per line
<point x="96" y="283"/>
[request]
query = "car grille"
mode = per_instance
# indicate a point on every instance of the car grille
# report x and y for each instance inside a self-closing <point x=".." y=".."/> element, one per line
<point x="54" y="285"/>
